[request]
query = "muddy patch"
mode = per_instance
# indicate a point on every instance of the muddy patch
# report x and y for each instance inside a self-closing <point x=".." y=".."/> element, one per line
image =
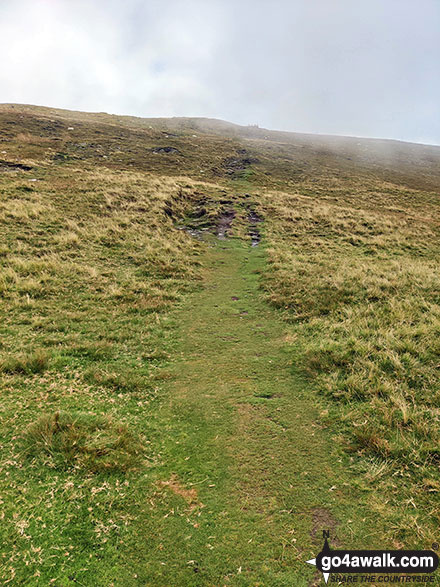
<point x="254" y="232"/>
<point x="197" y="221"/>
<point x="322" y="519"/>
<point x="194" y="232"/>
<point x="235" y="166"/>
<point x="224" y="223"/>
<point x="216" y="216"/>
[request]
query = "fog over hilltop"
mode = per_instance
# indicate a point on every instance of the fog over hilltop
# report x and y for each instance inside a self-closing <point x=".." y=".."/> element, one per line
<point x="366" y="68"/>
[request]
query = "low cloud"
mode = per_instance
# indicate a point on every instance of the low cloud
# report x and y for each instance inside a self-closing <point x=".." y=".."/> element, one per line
<point x="366" y="68"/>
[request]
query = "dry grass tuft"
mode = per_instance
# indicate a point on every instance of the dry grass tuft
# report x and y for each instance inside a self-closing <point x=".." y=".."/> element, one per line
<point x="26" y="364"/>
<point x="361" y="284"/>
<point x="82" y="441"/>
<point x="129" y="380"/>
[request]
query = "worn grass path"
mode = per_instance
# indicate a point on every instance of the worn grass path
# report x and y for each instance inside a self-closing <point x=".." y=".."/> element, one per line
<point x="248" y="477"/>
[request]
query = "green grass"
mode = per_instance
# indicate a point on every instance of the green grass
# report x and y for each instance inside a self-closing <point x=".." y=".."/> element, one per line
<point x="235" y="412"/>
<point x="362" y="287"/>
<point x="80" y="441"/>
<point x="179" y="410"/>
<point x="35" y="362"/>
<point x="89" y="272"/>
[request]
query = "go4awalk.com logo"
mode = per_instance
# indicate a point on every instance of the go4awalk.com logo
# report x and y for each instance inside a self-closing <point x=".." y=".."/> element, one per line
<point x="387" y="566"/>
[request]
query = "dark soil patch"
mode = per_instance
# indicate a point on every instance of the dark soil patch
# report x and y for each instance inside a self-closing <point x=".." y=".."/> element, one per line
<point x="224" y="223"/>
<point x="198" y="212"/>
<point x="254" y="232"/>
<point x="10" y="166"/>
<point x="234" y="166"/>
<point x="166" y="150"/>
<point x="196" y="221"/>
<point x="322" y="519"/>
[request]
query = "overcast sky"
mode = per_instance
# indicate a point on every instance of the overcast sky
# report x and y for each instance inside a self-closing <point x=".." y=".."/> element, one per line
<point x="355" y="67"/>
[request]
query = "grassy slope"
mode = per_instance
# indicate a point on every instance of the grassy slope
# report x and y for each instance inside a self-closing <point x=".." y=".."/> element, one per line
<point x="102" y="441"/>
<point x="262" y="477"/>
<point x="361" y="284"/>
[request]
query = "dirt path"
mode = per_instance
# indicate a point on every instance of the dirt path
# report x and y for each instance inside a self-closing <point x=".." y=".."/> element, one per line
<point x="245" y="440"/>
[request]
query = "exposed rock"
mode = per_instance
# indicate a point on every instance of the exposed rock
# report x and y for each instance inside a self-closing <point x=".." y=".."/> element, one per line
<point x="166" y="150"/>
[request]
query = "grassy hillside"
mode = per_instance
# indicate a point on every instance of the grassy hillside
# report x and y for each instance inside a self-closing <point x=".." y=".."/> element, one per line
<point x="180" y="409"/>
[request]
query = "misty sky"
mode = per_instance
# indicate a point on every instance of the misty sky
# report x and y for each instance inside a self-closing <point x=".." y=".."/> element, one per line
<point x="356" y="67"/>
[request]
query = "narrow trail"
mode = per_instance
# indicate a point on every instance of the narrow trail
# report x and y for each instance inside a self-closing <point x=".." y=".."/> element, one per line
<point x="245" y="439"/>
